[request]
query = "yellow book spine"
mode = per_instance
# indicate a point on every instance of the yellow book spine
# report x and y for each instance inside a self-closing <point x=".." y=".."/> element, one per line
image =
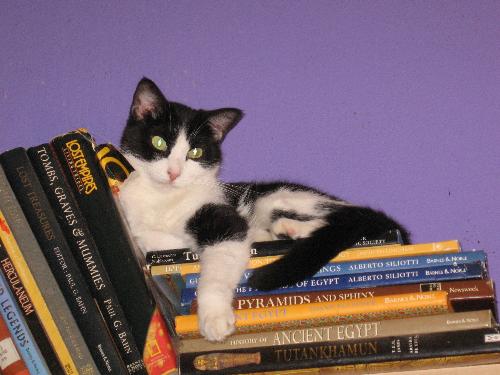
<point x="392" y="251"/>
<point x="349" y="255"/>
<point x="392" y="306"/>
<point x="53" y="333"/>
<point x="185" y="268"/>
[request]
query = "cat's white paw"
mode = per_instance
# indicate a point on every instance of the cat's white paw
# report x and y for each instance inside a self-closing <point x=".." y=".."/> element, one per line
<point x="295" y="228"/>
<point x="216" y="322"/>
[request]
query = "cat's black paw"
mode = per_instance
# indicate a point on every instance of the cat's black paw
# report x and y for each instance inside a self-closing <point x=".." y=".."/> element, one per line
<point x="263" y="279"/>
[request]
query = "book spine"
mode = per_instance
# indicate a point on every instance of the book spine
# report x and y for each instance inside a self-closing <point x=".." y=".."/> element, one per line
<point x="31" y="265"/>
<point x="75" y="151"/>
<point x="347" y="332"/>
<point x="159" y="354"/>
<point x="389" y="307"/>
<point x="11" y="362"/>
<point x="259" y="249"/>
<point x="394" y="348"/>
<point x="84" y="250"/>
<point x="11" y="314"/>
<point x="353" y="254"/>
<point x="78" y="307"/>
<point x="395" y="264"/>
<point x="194" y="267"/>
<point x="392" y="251"/>
<point x="454" y="364"/>
<point x="116" y="169"/>
<point x="379" y="265"/>
<point x="374" y="279"/>
<point x="28" y="310"/>
<point x="464" y="295"/>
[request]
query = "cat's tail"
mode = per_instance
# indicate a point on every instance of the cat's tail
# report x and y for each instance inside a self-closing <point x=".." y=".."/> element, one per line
<point x="346" y="226"/>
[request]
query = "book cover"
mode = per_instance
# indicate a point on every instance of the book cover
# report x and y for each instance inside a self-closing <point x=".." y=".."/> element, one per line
<point x="11" y="362"/>
<point x="353" y="254"/>
<point x="352" y="281"/>
<point x="345" y="332"/>
<point x="76" y="152"/>
<point x="37" y="278"/>
<point x="356" y="310"/>
<point x="464" y="295"/>
<point x="19" y="332"/>
<point x="28" y="311"/>
<point x="393" y="348"/>
<point x="84" y="250"/>
<point x="42" y="220"/>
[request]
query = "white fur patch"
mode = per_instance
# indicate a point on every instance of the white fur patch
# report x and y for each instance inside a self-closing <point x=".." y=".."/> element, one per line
<point x="222" y="266"/>
<point x="152" y="204"/>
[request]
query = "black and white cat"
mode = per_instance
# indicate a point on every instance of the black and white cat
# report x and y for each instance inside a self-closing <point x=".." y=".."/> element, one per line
<point x="174" y="199"/>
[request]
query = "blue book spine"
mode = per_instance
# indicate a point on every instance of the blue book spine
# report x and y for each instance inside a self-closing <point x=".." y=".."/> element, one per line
<point x="375" y="265"/>
<point x="362" y="280"/>
<point x="19" y="331"/>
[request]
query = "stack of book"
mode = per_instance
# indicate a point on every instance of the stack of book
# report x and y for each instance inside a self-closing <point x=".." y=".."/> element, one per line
<point x="73" y="297"/>
<point x="380" y="306"/>
<point x="77" y="297"/>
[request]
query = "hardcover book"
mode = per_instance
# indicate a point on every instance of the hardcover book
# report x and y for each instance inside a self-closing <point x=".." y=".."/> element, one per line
<point x="19" y="332"/>
<point x="260" y="249"/>
<point x="116" y="168"/>
<point x="40" y="284"/>
<point x="346" y="332"/>
<point x="84" y="249"/>
<point x="393" y="348"/>
<point x="42" y="220"/>
<point x="353" y="281"/>
<point x="11" y="362"/>
<point x="347" y="311"/>
<point x="354" y="254"/>
<point x="28" y="311"/>
<point x="76" y="152"/>
<point x="464" y="295"/>
<point x="470" y="364"/>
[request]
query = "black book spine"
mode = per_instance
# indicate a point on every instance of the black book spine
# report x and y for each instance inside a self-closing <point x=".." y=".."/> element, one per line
<point x="75" y="151"/>
<point x="83" y="249"/>
<point x="338" y="353"/>
<point x="29" y="313"/>
<point x="63" y="265"/>
<point x="259" y="249"/>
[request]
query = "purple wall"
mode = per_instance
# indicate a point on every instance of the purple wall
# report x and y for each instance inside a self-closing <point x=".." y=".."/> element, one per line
<point x="395" y="104"/>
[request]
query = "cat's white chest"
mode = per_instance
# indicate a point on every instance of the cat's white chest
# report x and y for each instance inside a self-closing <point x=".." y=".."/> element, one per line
<point x="149" y="208"/>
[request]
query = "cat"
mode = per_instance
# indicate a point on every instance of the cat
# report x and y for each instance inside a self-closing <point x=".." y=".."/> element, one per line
<point x="174" y="199"/>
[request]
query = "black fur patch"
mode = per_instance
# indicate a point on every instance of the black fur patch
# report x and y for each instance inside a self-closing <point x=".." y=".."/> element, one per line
<point x="214" y="223"/>
<point x="346" y="226"/>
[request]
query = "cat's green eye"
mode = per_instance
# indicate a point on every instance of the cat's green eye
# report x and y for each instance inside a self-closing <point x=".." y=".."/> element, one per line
<point x="159" y="143"/>
<point x="195" y="153"/>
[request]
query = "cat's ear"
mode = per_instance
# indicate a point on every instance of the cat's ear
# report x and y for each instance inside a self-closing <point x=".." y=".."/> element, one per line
<point x="148" y="100"/>
<point x="223" y="120"/>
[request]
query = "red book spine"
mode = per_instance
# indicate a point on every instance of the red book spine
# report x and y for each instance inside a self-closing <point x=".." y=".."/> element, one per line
<point x="159" y="356"/>
<point x="11" y="362"/>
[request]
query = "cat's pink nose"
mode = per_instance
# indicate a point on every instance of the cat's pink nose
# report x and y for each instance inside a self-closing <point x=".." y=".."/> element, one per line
<point x="173" y="175"/>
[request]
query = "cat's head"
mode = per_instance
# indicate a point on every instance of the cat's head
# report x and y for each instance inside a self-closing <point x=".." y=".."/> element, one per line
<point x="173" y="144"/>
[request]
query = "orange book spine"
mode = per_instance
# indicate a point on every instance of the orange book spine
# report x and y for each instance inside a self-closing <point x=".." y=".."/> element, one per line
<point x="382" y="307"/>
